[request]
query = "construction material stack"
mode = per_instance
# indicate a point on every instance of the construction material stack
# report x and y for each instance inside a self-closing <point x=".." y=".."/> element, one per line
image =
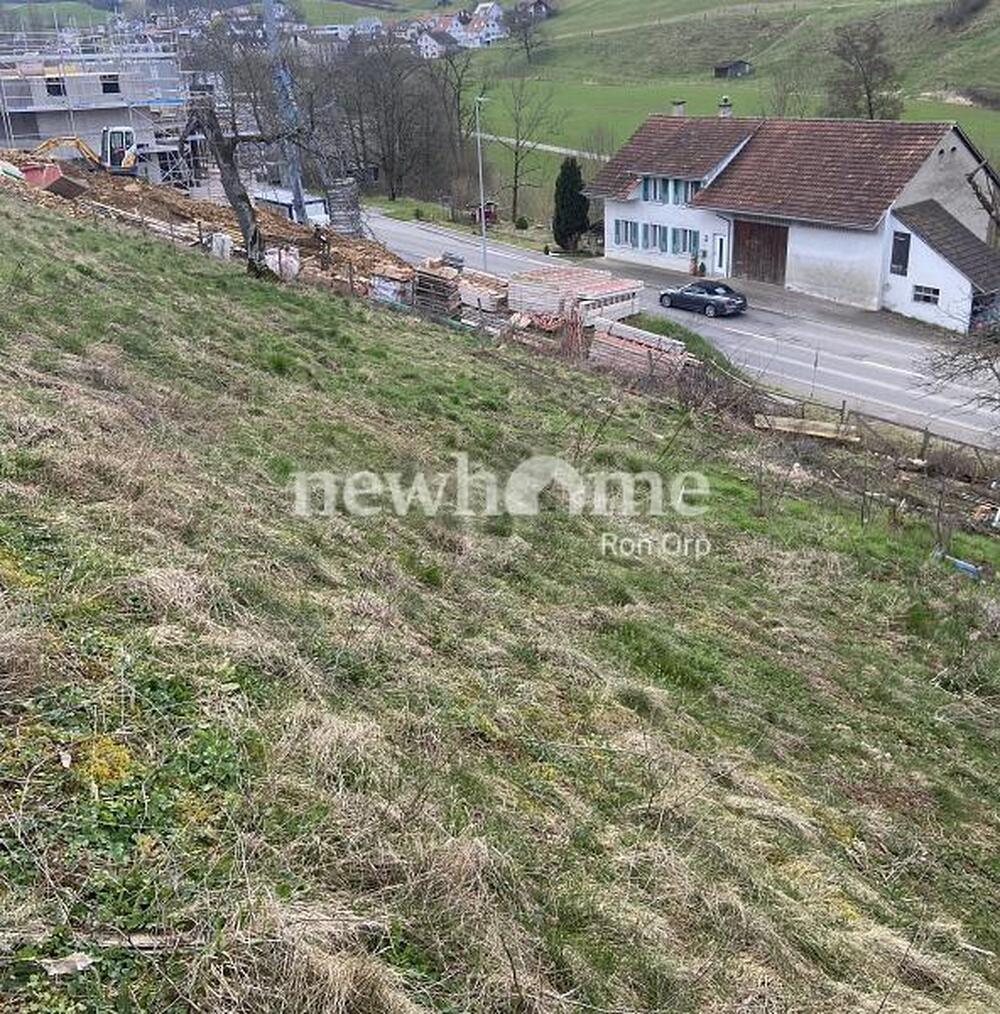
<point x="556" y="291"/>
<point x="635" y="352"/>
<point x="392" y="284"/>
<point x="435" y="289"/>
<point x="343" y="201"/>
<point x="482" y="291"/>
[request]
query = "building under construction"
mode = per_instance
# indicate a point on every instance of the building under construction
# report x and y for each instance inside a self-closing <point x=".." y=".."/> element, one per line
<point x="75" y="83"/>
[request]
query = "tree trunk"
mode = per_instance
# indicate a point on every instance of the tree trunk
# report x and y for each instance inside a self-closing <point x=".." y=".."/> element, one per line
<point x="224" y="152"/>
<point x="515" y="187"/>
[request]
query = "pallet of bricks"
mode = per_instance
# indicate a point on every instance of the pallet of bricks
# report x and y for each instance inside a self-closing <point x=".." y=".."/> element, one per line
<point x="633" y="351"/>
<point x="556" y="290"/>
<point x="391" y="283"/>
<point x="435" y="288"/>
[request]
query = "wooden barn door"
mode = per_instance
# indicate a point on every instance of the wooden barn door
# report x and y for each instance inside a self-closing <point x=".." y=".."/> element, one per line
<point x="760" y="251"/>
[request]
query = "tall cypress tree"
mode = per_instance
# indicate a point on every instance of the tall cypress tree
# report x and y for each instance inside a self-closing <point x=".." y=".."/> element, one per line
<point x="570" y="221"/>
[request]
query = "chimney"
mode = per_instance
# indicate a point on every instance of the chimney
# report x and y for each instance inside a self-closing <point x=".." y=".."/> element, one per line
<point x="678" y="107"/>
<point x="726" y="107"/>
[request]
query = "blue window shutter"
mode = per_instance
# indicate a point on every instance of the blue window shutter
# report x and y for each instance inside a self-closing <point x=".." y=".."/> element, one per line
<point x="618" y="231"/>
<point x="645" y="188"/>
<point x="645" y="236"/>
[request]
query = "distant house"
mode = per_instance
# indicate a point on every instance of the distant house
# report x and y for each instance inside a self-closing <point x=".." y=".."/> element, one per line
<point x="485" y="27"/>
<point x="448" y="24"/>
<point x="489" y="11"/>
<point x="434" y="45"/>
<point x="874" y="214"/>
<point x="342" y="32"/>
<point x="734" y="68"/>
<point x="537" y="10"/>
<point x="368" y="26"/>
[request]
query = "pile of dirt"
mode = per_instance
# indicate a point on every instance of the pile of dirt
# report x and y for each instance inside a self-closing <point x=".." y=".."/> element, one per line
<point x="173" y="207"/>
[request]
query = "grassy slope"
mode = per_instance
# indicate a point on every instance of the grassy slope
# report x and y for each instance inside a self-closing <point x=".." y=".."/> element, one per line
<point x="372" y="765"/>
<point x="45" y="14"/>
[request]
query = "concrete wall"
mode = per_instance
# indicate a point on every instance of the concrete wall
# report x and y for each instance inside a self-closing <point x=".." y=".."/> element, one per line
<point x="926" y="267"/>
<point x="840" y="264"/>
<point x="942" y="178"/>
<point x="675" y="216"/>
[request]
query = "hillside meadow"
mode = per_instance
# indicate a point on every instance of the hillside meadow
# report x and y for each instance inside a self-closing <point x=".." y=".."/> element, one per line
<point x="257" y="762"/>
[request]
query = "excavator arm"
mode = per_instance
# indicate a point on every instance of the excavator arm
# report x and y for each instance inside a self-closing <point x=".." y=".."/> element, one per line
<point x="52" y="143"/>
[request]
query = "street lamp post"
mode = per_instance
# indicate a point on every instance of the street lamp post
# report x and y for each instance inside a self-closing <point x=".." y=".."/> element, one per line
<point x="480" y="99"/>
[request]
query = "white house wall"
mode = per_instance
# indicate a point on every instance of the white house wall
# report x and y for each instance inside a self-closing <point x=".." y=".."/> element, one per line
<point x="675" y="216"/>
<point x="926" y="268"/>
<point x="943" y="178"/>
<point x="839" y="264"/>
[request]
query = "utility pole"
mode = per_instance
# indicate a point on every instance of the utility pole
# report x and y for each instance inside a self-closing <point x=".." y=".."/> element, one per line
<point x="480" y="99"/>
<point x="288" y="112"/>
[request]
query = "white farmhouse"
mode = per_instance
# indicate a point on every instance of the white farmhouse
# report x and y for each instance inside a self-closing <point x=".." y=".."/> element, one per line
<point x="485" y="27"/>
<point x="434" y="45"/>
<point x="875" y="214"/>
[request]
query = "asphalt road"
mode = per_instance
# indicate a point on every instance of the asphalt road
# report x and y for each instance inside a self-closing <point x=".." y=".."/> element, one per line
<point x="804" y="346"/>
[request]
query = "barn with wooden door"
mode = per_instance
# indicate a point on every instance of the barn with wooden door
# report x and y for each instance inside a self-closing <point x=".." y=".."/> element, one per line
<point x="805" y="204"/>
<point x="807" y="200"/>
<point x="760" y="250"/>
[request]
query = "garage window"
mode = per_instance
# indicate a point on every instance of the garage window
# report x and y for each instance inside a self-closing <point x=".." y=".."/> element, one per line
<point x="926" y="294"/>
<point x="900" y="253"/>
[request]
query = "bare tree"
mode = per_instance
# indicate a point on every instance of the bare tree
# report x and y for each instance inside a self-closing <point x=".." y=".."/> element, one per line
<point x="602" y="141"/>
<point x="525" y="29"/>
<point x="203" y="119"/>
<point x="392" y="115"/>
<point x="987" y="193"/>
<point x="864" y="84"/>
<point x="459" y="84"/>
<point x="973" y="359"/>
<point x="529" y="112"/>
<point x="788" y="91"/>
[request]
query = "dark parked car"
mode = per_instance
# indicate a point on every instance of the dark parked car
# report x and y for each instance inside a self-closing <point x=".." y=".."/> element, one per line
<point x="713" y="299"/>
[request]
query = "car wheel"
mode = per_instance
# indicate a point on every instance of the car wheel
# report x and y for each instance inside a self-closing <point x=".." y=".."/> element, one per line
<point x="710" y="310"/>
<point x="664" y="300"/>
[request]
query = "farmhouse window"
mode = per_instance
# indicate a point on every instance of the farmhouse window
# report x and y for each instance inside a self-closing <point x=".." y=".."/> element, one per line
<point x="926" y="294"/>
<point x="900" y="253"/>
<point x="55" y="85"/>
<point x="685" y="241"/>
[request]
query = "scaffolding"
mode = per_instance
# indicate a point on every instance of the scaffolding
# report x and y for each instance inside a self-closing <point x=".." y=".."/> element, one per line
<point x="76" y="82"/>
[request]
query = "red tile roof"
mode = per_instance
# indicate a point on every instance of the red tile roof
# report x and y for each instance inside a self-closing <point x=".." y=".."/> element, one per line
<point x="836" y="172"/>
<point x="674" y="146"/>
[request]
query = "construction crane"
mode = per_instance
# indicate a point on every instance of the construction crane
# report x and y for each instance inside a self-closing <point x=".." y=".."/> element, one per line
<point x="118" y="150"/>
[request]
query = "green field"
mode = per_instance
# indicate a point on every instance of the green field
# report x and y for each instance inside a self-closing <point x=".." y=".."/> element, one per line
<point x="393" y="765"/>
<point x="46" y="15"/>
<point x="609" y="65"/>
